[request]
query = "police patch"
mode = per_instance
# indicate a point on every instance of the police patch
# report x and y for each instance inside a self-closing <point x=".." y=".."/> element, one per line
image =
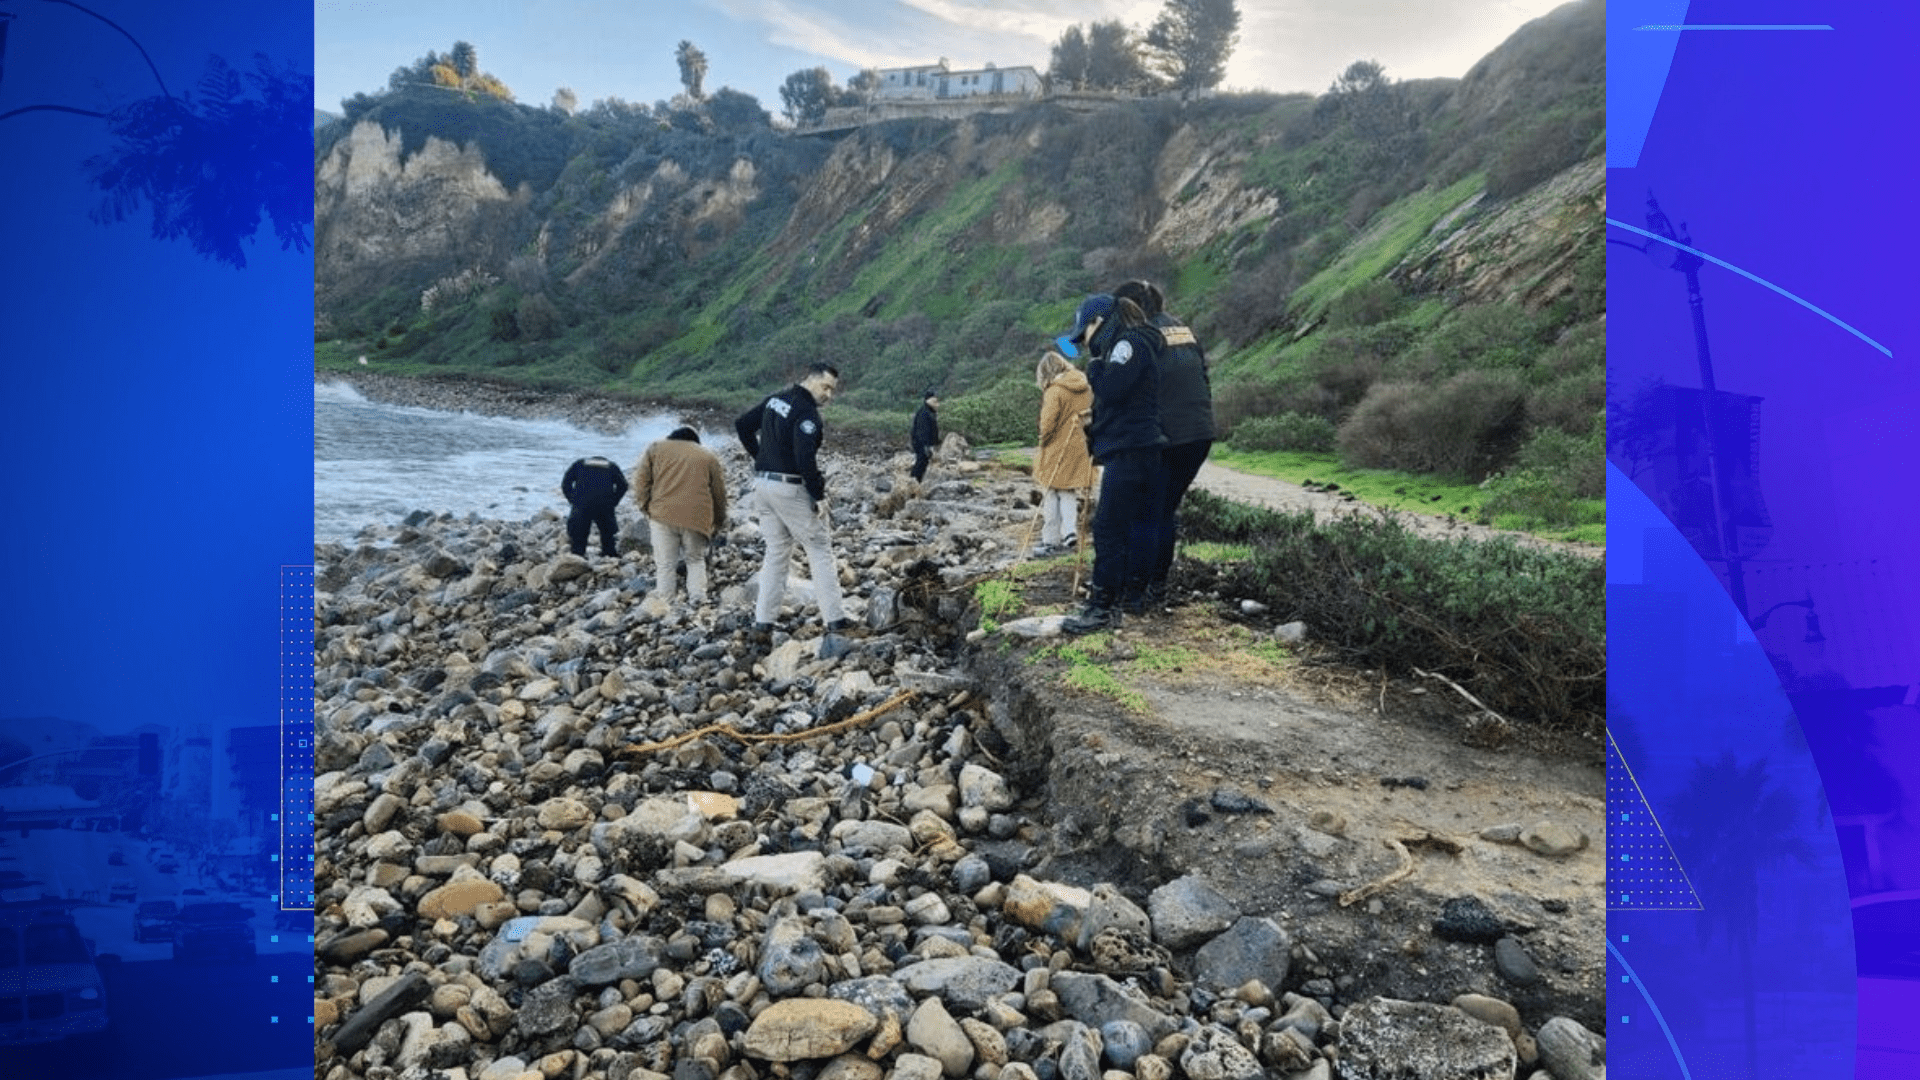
<point x="808" y="426"/>
<point x="1122" y="352"/>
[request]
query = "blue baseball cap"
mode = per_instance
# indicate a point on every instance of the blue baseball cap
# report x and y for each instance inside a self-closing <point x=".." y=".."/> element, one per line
<point x="1097" y="306"/>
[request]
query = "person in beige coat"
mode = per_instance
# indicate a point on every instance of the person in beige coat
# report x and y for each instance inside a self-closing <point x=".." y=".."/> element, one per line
<point x="683" y="492"/>
<point x="1063" y="468"/>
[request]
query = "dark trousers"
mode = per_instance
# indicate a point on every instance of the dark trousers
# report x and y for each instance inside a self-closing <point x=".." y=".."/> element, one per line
<point x="584" y="519"/>
<point x="920" y="459"/>
<point x="1181" y="463"/>
<point x="1132" y="485"/>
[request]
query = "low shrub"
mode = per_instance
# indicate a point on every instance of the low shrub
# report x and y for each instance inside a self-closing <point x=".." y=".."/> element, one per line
<point x="1006" y="412"/>
<point x="1288" y="431"/>
<point x="1550" y="477"/>
<point x="1467" y="426"/>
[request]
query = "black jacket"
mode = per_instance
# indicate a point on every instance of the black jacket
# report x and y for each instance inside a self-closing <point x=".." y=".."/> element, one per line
<point x="926" y="430"/>
<point x="593" y="482"/>
<point x="783" y="434"/>
<point x="1186" y="392"/>
<point x="1125" y="376"/>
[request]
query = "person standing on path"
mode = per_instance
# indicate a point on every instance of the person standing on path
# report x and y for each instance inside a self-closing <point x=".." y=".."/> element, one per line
<point x="783" y="435"/>
<point x="1125" y="439"/>
<point x="926" y="434"/>
<point x="1062" y="468"/>
<point x="593" y="487"/>
<point x="1186" y="420"/>
<point x="682" y="490"/>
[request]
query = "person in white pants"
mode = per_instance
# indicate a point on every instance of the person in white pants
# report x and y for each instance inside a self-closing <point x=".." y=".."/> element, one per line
<point x="787" y="516"/>
<point x="783" y="435"/>
<point x="1063" y="468"/>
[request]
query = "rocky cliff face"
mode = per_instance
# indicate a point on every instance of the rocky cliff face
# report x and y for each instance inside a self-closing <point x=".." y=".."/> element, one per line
<point x="654" y="251"/>
<point x="381" y="217"/>
<point x="385" y="218"/>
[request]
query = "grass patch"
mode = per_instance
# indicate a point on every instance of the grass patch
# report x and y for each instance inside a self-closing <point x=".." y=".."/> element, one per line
<point x="1099" y="680"/>
<point x="1386" y="488"/>
<point x="921" y="243"/>
<point x="999" y="598"/>
<point x="1088" y="670"/>
<point x="1209" y="551"/>
<point x="1592" y="530"/>
<point x="1170" y="658"/>
<point x="1397" y="230"/>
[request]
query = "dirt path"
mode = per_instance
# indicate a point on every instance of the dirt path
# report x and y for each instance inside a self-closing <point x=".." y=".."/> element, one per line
<point x="1290" y="497"/>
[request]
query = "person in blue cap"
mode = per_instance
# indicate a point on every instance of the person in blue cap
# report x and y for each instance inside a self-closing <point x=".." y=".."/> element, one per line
<point x="926" y="434"/>
<point x="1186" y="419"/>
<point x="1123" y="368"/>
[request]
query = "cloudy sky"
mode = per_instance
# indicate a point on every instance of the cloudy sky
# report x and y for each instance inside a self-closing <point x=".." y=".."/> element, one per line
<point x="623" y="48"/>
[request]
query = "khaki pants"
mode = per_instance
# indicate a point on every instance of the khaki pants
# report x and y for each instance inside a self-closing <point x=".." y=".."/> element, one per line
<point x="786" y="518"/>
<point x="670" y="543"/>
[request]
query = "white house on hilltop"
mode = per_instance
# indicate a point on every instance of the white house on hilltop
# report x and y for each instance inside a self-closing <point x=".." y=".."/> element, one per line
<point x="935" y="82"/>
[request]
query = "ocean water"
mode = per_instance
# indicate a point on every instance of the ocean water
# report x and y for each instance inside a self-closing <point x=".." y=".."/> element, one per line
<point x="374" y="464"/>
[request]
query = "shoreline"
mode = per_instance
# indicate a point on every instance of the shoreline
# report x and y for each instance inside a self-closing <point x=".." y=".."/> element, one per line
<point x="592" y="412"/>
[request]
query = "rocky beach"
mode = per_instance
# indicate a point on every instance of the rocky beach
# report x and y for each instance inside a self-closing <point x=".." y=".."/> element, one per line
<point x="565" y="831"/>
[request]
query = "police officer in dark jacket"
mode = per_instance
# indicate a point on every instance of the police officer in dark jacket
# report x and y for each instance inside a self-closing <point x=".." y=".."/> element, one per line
<point x="1186" y="419"/>
<point x="593" y="486"/>
<point x="783" y="435"/>
<point x="926" y="434"/>
<point x="1125" y="439"/>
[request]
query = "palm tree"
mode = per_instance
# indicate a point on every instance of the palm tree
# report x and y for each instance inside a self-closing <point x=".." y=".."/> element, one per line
<point x="1730" y="823"/>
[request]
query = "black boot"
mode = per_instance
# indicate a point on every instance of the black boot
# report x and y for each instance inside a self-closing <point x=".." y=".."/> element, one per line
<point x="1098" y="614"/>
<point x="1158" y="595"/>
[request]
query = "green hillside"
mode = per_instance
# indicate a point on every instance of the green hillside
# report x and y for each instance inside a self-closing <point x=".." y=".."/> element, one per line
<point x="1406" y="275"/>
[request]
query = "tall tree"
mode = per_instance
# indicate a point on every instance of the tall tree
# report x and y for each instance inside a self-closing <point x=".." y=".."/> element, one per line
<point x="1361" y="77"/>
<point x="1377" y="110"/>
<point x="1192" y="39"/>
<point x="1068" y="70"/>
<point x="1113" y="58"/>
<point x="806" y="94"/>
<point x="693" y="68"/>
<point x="420" y="71"/>
<point x="465" y="60"/>
<point x="735" y="111"/>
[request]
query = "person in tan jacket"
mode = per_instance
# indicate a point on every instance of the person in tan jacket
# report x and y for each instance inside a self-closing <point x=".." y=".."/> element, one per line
<point x="1063" y="468"/>
<point x="683" y="492"/>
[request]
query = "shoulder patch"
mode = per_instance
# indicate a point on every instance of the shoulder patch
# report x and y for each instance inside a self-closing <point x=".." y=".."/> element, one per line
<point x="809" y="427"/>
<point x="1121" y="352"/>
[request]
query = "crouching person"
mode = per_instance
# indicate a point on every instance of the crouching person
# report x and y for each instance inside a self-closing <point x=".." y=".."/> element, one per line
<point x="593" y="487"/>
<point x="682" y="490"/>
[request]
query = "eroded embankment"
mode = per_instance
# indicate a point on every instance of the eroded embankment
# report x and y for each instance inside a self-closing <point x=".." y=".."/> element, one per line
<point x="1396" y="858"/>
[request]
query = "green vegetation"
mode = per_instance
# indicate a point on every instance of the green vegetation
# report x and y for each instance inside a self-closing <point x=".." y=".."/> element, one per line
<point x="1209" y="552"/>
<point x="1386" y="488"/>
<point x="1523" y="630"/>
<point x="687" y="253"/>
<point x="998" y="598"/>
<point x="1393" y="233"/>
